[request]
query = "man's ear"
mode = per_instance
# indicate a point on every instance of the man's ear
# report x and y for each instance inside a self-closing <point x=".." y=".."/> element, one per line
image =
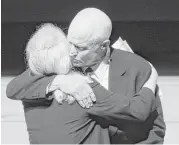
<point x="105" y="44"/>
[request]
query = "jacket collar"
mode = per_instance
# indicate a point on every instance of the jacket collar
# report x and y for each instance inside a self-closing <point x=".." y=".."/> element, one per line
<point x="116" y="62"/>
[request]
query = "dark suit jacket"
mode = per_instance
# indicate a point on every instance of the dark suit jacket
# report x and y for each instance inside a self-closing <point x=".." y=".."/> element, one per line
<point x="128" y="112"/>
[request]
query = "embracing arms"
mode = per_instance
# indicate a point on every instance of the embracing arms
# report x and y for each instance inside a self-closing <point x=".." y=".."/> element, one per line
<point x="28" y="87"/>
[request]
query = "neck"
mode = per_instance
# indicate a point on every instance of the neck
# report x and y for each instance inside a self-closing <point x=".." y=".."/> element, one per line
<point x="105" y="60"/>
<point x="95" y="67"/>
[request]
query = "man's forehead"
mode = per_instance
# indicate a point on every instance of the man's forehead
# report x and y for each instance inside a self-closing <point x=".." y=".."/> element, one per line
<point x="89" y="24"/>
<point x="89" y="45"/>
<point x="79" y="43"/>
<point x="80" y="36"/>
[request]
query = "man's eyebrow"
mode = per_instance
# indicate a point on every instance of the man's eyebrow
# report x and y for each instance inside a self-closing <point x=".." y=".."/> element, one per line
<point x="80" y="47"/>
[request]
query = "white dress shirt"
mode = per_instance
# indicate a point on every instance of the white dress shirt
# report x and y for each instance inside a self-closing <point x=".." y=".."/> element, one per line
<point x="102" y="74"/>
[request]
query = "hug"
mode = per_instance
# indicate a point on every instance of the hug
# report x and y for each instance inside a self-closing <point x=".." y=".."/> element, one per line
<point x="79" y="90"/>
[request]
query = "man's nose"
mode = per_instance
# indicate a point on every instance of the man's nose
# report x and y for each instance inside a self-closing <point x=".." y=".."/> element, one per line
<point x="73" y="51"/>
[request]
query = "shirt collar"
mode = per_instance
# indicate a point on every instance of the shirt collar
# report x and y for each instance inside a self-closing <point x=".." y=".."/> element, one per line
<point x="101" y="70"/>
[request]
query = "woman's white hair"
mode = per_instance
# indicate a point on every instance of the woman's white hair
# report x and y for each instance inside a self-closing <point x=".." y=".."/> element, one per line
<point x="44" y="51"/>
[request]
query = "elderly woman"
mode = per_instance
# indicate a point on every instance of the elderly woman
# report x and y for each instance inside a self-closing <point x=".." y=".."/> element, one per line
<point x="47" y="52"/>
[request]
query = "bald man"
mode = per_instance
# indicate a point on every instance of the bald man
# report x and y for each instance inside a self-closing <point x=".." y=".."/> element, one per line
<point x="138" y="117"/>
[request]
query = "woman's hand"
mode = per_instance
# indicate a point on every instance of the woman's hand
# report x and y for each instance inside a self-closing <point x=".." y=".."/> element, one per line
<point x="61" y="97"/>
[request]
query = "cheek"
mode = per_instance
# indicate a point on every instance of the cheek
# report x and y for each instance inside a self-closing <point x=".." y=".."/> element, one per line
<point x="88" y="57"/>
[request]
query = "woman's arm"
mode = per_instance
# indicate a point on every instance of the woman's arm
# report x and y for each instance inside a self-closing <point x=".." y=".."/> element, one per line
<point x="28" y="86"/>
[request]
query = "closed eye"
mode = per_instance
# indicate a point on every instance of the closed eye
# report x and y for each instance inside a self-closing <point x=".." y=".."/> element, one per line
<point x="80" y="48"/>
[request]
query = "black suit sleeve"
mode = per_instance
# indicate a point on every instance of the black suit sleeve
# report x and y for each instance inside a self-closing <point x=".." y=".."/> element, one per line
<point x="157" y="133"/>
<point x="113" y="107"/>
<point x="28" y="87"/>
<point x="110" y="108"/>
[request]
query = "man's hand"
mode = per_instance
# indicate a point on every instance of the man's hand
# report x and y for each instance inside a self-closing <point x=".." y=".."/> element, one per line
<point x="75" y="85"/>
<point x="152" y="81"/>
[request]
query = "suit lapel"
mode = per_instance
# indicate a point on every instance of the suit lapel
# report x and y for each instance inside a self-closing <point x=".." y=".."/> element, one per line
<point x="117" y="72"/>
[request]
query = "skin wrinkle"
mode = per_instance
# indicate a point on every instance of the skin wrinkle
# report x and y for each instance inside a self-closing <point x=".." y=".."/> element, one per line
<point x="82" y="43"/>
<point x="90" y="40"/>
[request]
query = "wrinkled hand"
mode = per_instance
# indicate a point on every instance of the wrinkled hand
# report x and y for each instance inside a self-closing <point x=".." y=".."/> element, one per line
<point x="61" y="97"/>
<point x="75" y="85"/>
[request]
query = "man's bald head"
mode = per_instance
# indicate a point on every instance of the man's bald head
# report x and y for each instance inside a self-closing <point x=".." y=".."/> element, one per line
<point x="90" y="25"/>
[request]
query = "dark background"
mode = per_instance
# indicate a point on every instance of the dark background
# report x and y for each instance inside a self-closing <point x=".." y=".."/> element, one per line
<point x="151" y="27"/>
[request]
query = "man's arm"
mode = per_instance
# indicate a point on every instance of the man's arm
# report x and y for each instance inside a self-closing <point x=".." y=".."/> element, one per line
<point x="157" y="133"/>
<point x="26" y="87"/>
<point x="116" y="106"/>
<point x="113" y="107"/>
